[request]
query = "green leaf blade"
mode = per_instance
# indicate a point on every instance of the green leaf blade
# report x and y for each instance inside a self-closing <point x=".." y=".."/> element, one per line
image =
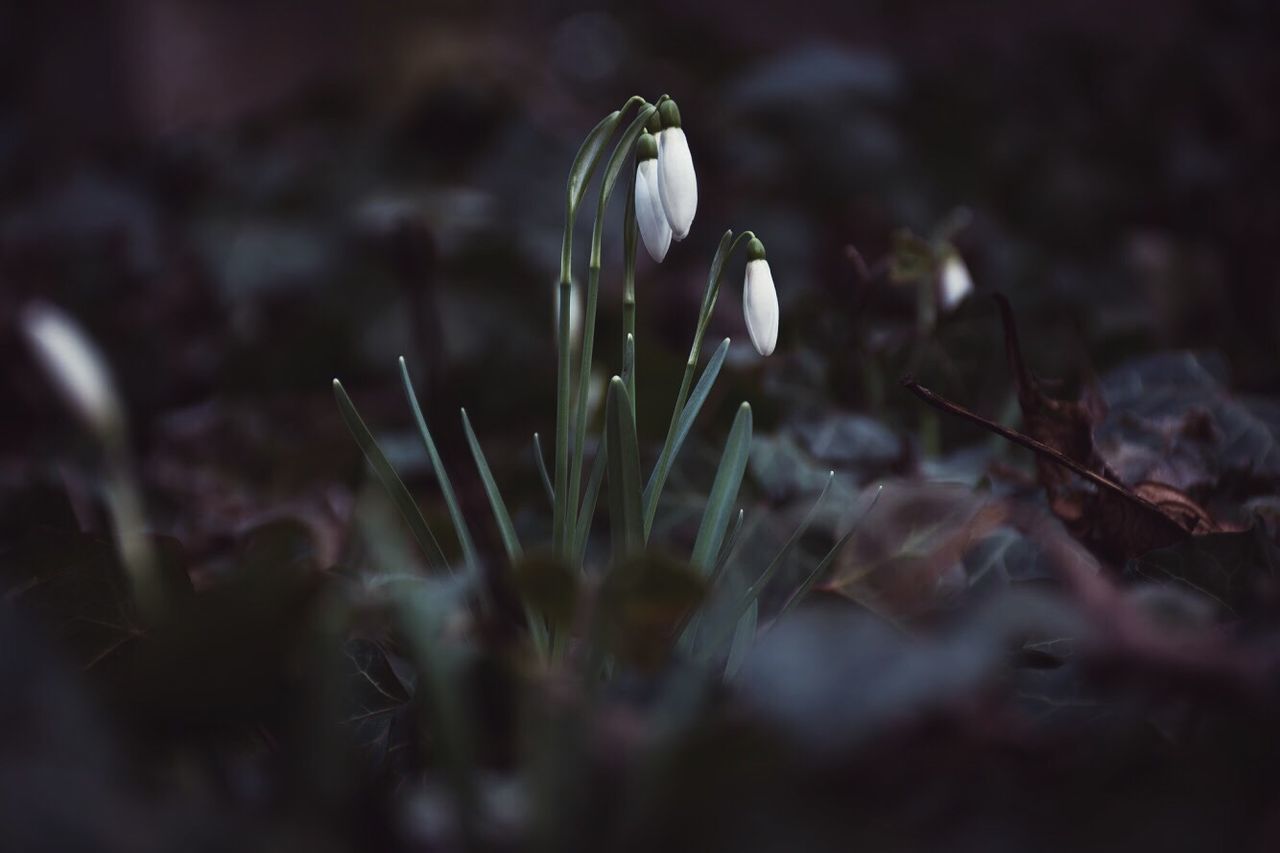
<point x="724" y="492"/>
<point x="442" y="476"/>
<point x="625" y="516"/>
<point x="386" y="474"/>
<point x="506" y="529"/>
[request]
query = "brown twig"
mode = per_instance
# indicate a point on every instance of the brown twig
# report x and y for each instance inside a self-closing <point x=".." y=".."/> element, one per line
<point x="945" y="405"/>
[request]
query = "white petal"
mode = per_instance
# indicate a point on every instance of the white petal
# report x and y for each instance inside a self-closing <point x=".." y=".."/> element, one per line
<point x="677" y="184"/>
<point x="654" y="228"/>
<point x="75" y="365"/>
<point x="760" y="306"/>
<point x="956" y="283"/>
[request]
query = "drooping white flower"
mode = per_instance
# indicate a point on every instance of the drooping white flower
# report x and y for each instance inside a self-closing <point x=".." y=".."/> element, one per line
<point x="677" y="183"/>
<point x="655" y="231"/>
<point x="76" y="367"/>
<point x="954" y="283"/>
<point x="760" y="300"/>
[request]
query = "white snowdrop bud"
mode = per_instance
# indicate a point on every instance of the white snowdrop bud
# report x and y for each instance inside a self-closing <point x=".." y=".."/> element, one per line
<point x="76" y="367"/>
<point x="760" y="300"/>
<point x="655" y="231"/>
<point x="955" y="283"/>
<point x="677" y="183"/>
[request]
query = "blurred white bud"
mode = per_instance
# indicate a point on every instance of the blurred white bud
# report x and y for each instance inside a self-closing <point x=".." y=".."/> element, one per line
<point x="76" y="367"/>
<point x="677" y="183"/>
<point x="760" y="300"/>
<point x="955" y="284"/>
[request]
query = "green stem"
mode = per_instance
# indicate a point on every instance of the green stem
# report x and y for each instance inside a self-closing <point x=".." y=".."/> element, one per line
<point x="728" y="244"/>
<point x="617" y="159"/>
<point x="629" y="234"/>
<point x="584" y="164"/>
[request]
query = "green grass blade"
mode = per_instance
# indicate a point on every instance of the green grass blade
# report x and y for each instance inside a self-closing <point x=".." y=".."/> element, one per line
<point x="404" y="502"/>
<point x="542" y="469"/>
<point x="744" y="636"/>
<point x="730" y="548"/>
<point x="724" y="492"/>
<point x="589" y="500"/>
<point x="820" y="569"/>
<point x="508" y="531"/>
<point x="442" y="476"/>
<point x="689" y="414"/>
<point x="624" y="473"/>
<point x="752" y="595"/>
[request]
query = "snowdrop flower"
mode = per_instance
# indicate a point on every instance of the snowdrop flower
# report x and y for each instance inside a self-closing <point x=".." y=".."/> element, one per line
<point x="677" y="184"/>
<point x="954" y="283"/>
<point x="652" y="219"/>
<point x="760" y="300"/>
<point x="76" y="367"/>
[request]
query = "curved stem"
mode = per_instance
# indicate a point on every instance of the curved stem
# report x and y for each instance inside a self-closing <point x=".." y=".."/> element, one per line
<point x="619" y="157"/>
<point x="728" y="244"/>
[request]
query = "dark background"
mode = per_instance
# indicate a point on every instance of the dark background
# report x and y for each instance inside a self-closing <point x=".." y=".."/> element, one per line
<point x="241" y="201"/>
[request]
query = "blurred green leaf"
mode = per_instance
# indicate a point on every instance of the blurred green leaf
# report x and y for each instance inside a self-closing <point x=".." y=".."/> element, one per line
<point x="548" y="587"/>
<point x="643" y="602"/>
<point x="390" y="480"/>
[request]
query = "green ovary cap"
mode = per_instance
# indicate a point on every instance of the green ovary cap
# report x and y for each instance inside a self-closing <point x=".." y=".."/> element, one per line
<point x="654" y="124"/>
<point x="670" y="114"/>
<point x="755" y="250"/>
<point x="646" y="147"/>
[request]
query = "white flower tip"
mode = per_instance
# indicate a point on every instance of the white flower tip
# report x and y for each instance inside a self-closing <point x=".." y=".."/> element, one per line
<point x="75" y="365"/>
<point x="760" y="306"/>
<point x="677" y="182"/>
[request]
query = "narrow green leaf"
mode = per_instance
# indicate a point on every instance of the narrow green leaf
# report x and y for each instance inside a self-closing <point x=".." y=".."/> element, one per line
<point x="508" y="531"/>
<point x="821" y="569"/>
<point x="442" y="476"/>
<point x="724" y="492"/>
<point x="542" y="469"/>
<point x="752" y="595"/>
<point x="624" y="472"/>
<point x="744" y="637"/>
<point x="729" y="550"/>
<point x="690" y="413"/>
<point x="589" y="500"/>
<point x="405" y="504"/>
